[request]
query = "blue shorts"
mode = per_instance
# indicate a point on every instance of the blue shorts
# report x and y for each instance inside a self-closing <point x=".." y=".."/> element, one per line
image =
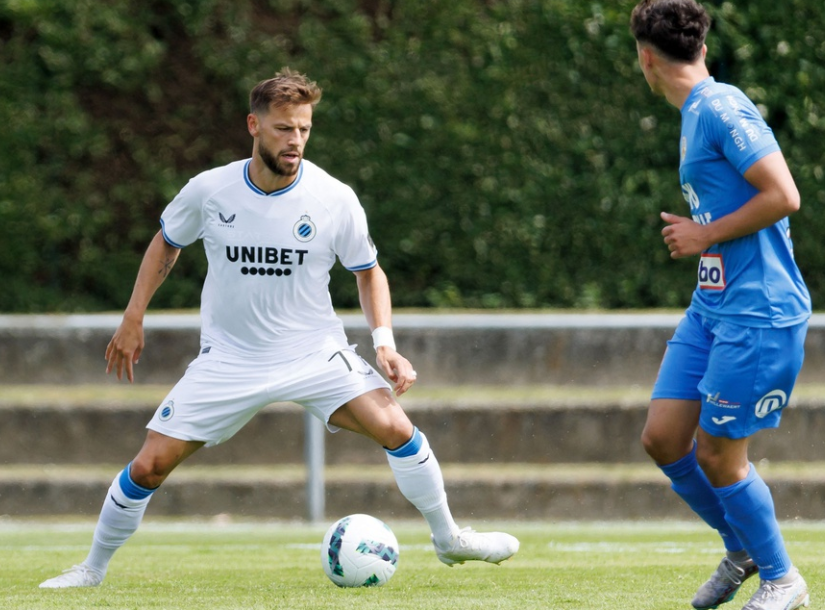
<point x="743" y="376"/>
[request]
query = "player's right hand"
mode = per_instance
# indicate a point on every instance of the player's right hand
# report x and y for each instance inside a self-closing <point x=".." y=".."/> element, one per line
<point x="397" y="368"/>
<point x="124" y="350"/>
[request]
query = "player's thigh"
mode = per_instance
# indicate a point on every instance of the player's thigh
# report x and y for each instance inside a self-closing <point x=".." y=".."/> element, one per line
<point x="376" y="415"/>
<point x="685" y="361"/>
<point x="669" y="429"/>
<point x="673" y="415"/>
<point x="325" y="381"/>
<point x="750" y="377"/>
<point x="213" y="400"/>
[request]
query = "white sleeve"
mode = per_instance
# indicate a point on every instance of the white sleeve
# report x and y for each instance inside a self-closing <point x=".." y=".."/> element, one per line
<point x="353" y="244"/>
<point x="182" y="220"/>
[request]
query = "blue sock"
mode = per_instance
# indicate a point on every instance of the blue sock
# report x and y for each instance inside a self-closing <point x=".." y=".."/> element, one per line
<point x="750" y="512"/>
<point x="131" y="489"/>
<point x="411" y="447"/>
<point x="691" y="484"/>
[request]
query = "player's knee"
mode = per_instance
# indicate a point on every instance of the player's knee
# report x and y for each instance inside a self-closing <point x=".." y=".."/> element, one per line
<point x="652" y="443"/>
<point x="709" y="459"/>
<point x="396" y="432"/>
<point x="149" y="472"/>
<point x="661" y="447"/>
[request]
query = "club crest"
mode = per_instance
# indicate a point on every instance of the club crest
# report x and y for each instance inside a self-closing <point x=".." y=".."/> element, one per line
<point x="304" y="230"/>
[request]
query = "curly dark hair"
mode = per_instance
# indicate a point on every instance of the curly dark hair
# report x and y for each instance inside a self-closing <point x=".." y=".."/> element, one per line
<point x="676" y="28"/>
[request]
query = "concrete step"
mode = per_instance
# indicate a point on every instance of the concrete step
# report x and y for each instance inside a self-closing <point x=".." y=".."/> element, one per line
<point x="513" y="491"/>
<point x="537" y="424"/>
<point x="524" y="348"/>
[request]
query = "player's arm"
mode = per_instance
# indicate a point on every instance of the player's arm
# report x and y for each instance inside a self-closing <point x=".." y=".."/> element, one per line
<point x="777" y="198"/>
<point x="126" y="345"/>
<point x="374" y="294"/>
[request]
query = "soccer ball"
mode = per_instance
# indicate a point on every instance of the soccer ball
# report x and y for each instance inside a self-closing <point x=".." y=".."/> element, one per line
<point x="359" y="551"/>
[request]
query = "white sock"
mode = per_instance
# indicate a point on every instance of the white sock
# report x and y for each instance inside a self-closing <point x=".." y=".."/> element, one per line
<point x="119" y="518"/>
<point x="419" y="479"/>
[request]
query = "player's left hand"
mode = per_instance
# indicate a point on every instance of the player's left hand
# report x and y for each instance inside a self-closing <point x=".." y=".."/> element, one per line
<point x="683" y="236"/>
<point x="397" y="368"/>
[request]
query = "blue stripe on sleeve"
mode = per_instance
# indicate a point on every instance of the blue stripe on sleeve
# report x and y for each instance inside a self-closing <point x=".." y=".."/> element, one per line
<point x="369" y="265"/>
<point x="166" y="237"/>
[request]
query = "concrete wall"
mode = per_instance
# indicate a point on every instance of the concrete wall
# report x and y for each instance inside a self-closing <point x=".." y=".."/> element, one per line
<point x="502" y="459"/>
<point x="449" y="349"/>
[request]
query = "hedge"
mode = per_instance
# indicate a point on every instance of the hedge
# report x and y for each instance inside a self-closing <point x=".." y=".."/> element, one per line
<point x="508" y="153"/>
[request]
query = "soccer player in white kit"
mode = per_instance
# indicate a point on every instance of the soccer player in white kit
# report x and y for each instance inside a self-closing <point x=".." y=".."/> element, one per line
<point x="272" y="227"/>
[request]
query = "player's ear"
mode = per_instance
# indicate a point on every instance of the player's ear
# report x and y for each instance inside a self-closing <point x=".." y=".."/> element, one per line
<point x="645" y="55"/>
<point x="252" y="124"/>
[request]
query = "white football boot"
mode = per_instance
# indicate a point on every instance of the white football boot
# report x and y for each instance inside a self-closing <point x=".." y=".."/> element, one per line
<point x="76" y="576"/>
<point x="469" y="545"/>
<point x="773" y="596"/>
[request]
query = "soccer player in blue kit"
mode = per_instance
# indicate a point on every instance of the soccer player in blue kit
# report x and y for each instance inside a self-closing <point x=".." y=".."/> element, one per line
<point x="272" y="227"/>
<point x="733" y="360"/>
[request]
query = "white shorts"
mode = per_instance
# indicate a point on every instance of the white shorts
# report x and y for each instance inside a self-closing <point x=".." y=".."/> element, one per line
<point x="217" y="396"/>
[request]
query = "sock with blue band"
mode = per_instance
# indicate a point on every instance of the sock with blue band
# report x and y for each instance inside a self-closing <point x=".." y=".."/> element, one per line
<point x="750" y="511"/>
<point x="690" y="483"/>
<point x="122" y="512"/>
<point x="418" y="476"/>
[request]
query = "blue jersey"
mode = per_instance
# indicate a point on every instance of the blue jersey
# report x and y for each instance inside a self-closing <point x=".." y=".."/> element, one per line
<point x="753" y="280"/>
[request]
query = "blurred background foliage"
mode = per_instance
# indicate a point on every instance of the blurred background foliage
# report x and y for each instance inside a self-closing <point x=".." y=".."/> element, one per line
<point x="508" y="153"/>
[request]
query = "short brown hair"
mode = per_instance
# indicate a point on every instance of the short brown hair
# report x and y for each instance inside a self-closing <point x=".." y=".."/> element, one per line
<point x="677" y="28"/>
<point x="286" y="88"/>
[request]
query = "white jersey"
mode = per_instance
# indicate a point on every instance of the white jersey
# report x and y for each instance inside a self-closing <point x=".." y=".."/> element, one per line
<point x="266" y="292"/>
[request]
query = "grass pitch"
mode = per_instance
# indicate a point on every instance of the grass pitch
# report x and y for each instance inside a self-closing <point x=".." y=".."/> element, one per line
<point x="186" y="565"/>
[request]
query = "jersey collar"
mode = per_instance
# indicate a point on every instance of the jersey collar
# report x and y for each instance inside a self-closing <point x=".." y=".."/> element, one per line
<point x="697" y="89"/>
<point x="258" y="191"/>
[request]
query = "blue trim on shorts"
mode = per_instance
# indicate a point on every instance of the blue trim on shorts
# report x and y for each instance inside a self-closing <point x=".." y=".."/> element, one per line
<point x="131" y="489"/>
<point x="410" y="448"/>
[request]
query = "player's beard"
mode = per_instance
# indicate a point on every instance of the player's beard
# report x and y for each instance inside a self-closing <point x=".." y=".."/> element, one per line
<point x="274" y="164"/>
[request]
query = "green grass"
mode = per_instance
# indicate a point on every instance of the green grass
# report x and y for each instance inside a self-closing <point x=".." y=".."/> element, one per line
<point x="177" y="565"/>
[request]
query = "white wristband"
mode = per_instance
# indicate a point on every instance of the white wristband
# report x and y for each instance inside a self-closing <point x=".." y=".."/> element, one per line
<point x="382" y="336"/>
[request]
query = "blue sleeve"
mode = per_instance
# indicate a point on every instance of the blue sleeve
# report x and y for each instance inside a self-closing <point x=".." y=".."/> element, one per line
<point x="736" y="128"/>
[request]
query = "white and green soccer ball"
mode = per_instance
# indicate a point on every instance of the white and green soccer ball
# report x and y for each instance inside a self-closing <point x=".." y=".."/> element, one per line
<point x="359" y="551"/>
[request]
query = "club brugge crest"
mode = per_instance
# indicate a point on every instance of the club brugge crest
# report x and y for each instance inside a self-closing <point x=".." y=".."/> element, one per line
<point x="304" y="229"/>
<point x="167" y="410"/>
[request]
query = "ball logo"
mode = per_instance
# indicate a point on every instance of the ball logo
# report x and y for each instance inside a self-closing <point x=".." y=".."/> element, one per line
<point x="167" y="411"/>
<point x="304" y="229"/>
<point x="770" y="402"/>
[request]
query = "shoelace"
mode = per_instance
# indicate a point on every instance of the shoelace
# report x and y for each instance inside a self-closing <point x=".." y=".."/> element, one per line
<point x="732" y="571"/>
<point x="769" y="590"/>
<point x="86" y="571"/>
<point x="467" y="541"/>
